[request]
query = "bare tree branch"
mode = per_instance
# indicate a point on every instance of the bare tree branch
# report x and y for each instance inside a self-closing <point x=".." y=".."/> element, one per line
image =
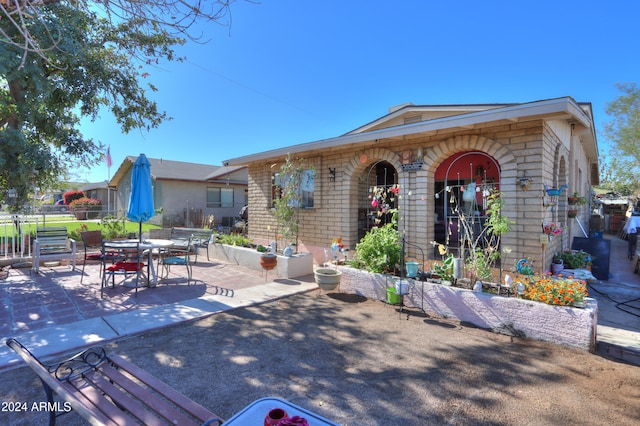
<point x="177" y="17"/>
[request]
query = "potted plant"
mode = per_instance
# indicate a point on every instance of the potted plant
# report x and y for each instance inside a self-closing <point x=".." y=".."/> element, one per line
<point x="551" y="230"/>
<point x="576" y="199"/>
<point x="557" y="264"/>
<point x="576" y="259"/>
<point x="85" y="208"/>
<point x="572" y="213"/>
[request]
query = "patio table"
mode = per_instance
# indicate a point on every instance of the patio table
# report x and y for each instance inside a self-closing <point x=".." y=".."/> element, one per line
<point x="147" y="246"/>
<point x="254" y="413"/>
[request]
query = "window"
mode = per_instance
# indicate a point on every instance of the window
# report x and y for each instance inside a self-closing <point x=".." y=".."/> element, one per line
<point x="307" y="181"/>
<point x="220" y="197"/>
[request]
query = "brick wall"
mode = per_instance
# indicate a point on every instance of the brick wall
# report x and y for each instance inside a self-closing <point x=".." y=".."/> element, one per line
<point x="541" y="152"/>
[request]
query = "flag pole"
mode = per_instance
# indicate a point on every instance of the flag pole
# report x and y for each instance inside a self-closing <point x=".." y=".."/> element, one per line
<point x="108" y="179"/>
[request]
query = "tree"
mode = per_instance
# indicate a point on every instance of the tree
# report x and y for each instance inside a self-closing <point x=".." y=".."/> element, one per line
<point x="289" y="198"/>
<point x="63" y="61"/>
<point x="620" y="166"/>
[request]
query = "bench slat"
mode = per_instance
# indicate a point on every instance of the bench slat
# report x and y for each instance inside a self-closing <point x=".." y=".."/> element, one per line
<point x="192" y="407"/>
<point x="102" y="409"/>
<point x="134" y="407"/>
<point x="151" y="400"/>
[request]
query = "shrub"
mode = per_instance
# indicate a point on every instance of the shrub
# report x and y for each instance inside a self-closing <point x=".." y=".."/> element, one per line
<point x="85" y="203"/>
<point x="380" y="249"/>
<point x="112" y="227"/>
<point x="70" y="196"/>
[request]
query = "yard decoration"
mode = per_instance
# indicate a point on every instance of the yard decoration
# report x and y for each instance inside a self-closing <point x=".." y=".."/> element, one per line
<point x="554" y="192"/>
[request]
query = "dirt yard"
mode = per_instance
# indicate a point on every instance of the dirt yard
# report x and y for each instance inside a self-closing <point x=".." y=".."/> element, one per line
<point x="361" y="362"/>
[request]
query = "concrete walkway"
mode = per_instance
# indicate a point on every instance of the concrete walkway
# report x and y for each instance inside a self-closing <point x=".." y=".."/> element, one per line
<point x="52" y="313"/>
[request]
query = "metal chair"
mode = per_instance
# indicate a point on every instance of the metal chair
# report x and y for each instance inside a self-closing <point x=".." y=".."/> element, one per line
<point x="121" y="258"/>
<point x="92" y="241"/>
<point x="179" y="256"/>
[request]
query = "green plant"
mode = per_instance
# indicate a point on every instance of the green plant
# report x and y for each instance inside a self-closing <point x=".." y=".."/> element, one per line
<point x="234" y="240"/>
<point x="262" y="249"/>
<point x="112" y="227"/>
<point x="445" y="269"/>
<point x="288" y="197"/>
<point x="380" y="249"/>
<point x="575" y="259"/>
<point x="479" y="266"/>
<point x="484" y="247"/>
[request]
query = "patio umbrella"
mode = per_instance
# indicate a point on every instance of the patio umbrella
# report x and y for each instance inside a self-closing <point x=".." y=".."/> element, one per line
<point x="141" y="199"/>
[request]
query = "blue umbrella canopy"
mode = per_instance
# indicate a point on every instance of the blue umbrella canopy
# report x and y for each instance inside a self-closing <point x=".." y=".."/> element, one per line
<point x="141" y="199"/>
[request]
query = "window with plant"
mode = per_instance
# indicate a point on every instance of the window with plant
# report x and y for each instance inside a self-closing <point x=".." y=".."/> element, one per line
<point x="292" y="189"/>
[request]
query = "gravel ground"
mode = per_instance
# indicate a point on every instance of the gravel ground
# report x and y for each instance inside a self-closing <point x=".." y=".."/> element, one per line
<point x="361" y="362"/>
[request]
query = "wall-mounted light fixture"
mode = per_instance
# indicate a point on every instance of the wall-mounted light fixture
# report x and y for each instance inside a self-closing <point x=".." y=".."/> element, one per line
<point x="332" y="174"/>
<point x="524" y="183"/>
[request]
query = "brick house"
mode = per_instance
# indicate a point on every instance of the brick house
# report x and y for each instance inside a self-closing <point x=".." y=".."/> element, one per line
<point x="438" y="155"/>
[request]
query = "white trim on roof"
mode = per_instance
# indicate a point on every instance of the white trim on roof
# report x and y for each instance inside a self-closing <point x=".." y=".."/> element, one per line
<point x="559" y="106"/>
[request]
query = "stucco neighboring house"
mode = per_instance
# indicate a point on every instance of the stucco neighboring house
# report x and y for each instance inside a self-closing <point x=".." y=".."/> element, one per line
<point x="186" y="193"/>
<point x="438" y="155"/>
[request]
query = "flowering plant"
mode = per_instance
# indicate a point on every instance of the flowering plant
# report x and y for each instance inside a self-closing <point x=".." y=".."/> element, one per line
<point x="555" y="291"/>
<point x="552" y="229"/>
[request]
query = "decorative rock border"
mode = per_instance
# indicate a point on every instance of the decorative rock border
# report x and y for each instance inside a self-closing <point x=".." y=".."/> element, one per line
<point x="564" y="325"/>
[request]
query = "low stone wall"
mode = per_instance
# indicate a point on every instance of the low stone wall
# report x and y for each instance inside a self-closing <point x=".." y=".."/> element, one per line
<point x="567" y="326"/>
<point x="298" y="265"/>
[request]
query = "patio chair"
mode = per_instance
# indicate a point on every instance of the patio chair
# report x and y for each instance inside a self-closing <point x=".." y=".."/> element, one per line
<point x="92" y="242"/>
<point x="121" y="258"/>
<point x="178" y="256"/>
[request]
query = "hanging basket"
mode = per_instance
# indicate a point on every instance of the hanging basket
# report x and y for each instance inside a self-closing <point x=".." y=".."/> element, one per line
<point x="572" y="213"/>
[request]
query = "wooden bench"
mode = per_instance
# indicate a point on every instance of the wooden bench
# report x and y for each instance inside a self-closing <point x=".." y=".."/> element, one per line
<point x="53" y="243"/>
<point x="106" y="389"/>
<point x="200" y="237"/>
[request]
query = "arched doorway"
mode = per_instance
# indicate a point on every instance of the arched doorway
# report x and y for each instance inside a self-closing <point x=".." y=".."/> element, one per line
<point x="376" y="196"/>
<point x="462" y="183"/>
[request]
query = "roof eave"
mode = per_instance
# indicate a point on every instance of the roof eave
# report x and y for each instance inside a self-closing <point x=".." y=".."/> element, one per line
<point x="532" y="110"/>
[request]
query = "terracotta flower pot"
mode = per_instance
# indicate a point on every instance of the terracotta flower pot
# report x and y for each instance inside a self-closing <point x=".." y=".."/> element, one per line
<point x="268" y="261"/>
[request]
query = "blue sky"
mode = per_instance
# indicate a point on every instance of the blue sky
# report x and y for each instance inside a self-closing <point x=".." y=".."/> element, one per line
<point x="295" y="71"/>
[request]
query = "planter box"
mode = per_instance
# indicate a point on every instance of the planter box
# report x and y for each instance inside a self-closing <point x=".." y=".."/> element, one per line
<point x="567" y="326"/>
<point x="295" y="266"/>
